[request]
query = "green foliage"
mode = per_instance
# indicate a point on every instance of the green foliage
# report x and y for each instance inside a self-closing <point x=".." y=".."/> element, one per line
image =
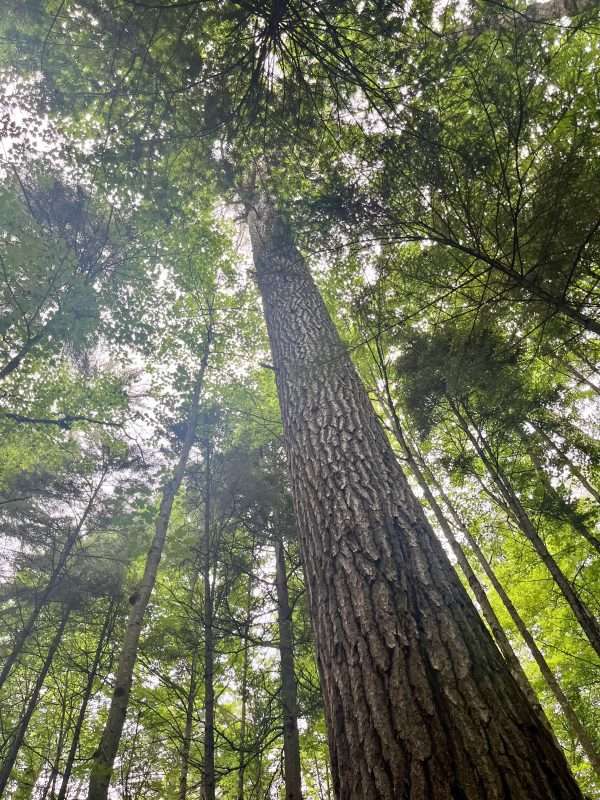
<point x="440" y="169"/>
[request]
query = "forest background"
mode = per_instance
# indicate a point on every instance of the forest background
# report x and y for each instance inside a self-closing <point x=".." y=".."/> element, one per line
<point x="437" y="166"/>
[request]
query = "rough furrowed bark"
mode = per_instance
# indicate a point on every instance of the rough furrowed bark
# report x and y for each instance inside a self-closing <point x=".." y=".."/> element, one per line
<point x="105" y="755"/>
<point x="419" y="702"/>
<point x="478" y="590"/>
<point x="577" y="728"/>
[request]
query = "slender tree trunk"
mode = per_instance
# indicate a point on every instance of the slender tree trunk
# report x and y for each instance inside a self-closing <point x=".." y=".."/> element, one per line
<point x="15" y="362"/>
<point x="579" y="731"/>
<point x="190" y="703"/>
<point x="566" y="513"/>
<point x="478" y="590"/>
<point x="19" y="735"/>
<point x="104" y="637"/>
<point x="419" y="702"/>
<point x="319" y="781"/>
<point x="188" y="729"/>
<point x="582" y="614"/>
<point x="582" y="379"/>
<point x="245" y="668"/>
<point x="55" y="577"/>
<point x="259" y="771"/>
<point x="573" y="468"/>
<point x="577" y="728"/>
<point x="50" y="787"/>
<point x="105" y="755"/>
<point x="289" y="691"/>
<point x="209" y="780"/>
<point x="242" y="766"/>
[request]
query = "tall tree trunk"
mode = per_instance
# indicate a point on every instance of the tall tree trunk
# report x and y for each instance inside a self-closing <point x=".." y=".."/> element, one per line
<point x="104" y="757"/>
<point x="566" y="512"/>
<point x="573" y="468"/>
<point x="419" y="702"/>
<point x="104" y="637"/>
<point x="245" y="668"/>
<point x="55" y="577"/>
<point x="289" y="691"/>
<point x="50" y="787"/>
<point x="19" y="734"/>
<point x="188" y="728"/>
<point x="582" y="614"/>
<point x="190" y="703"/>
<point x="479" y="593"/>
<point x="245" y="665"/>
<point x="577" y="728"/>
<point x="208" y="780"/>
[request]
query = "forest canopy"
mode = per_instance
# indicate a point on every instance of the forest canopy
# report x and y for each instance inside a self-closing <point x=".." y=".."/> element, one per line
<point x="299" y="382"/>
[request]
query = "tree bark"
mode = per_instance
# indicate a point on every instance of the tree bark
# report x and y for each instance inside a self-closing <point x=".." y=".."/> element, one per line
<point x="478" y="590"/>
<point x="419" y="702"/>
<point x="19" y="735"/>
<point x="104" y="757"/>
<point x="580" y="610"/>
<point x="577" y="728"/>
<point x="289" y="690"/>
